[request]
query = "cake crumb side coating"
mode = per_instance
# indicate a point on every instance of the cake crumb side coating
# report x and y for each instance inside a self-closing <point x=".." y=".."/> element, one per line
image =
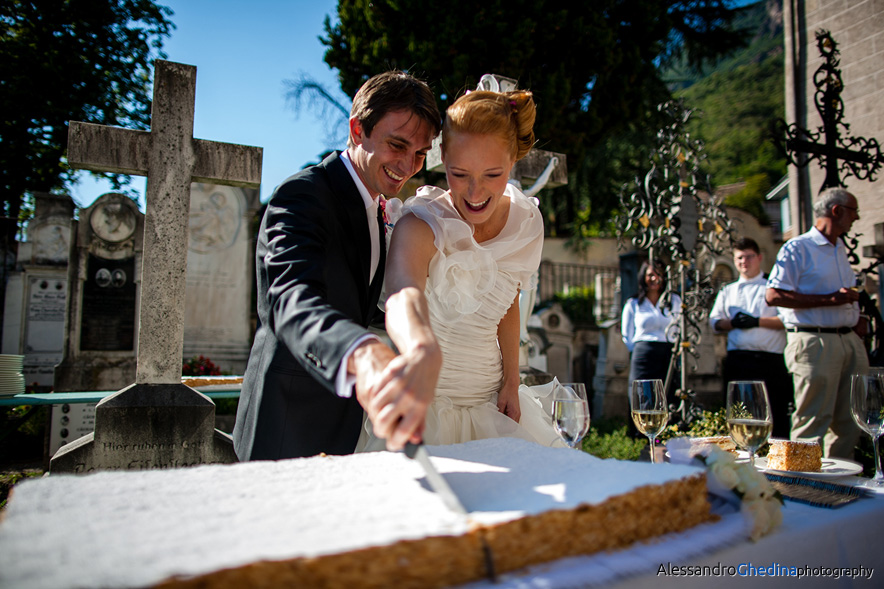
<point x="647" y="512"/>
<point x="619" y="522"/>
<point x="409" y="564"/>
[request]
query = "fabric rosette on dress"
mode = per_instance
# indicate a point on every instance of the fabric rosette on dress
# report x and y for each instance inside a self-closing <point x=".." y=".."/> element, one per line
<point x="470" y="287"/>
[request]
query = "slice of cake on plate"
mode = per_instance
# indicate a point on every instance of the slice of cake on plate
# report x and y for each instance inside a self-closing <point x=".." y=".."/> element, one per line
<point x="367" y="520"/>
<point x="795" y="455"/>
<point x="724" y="442"/>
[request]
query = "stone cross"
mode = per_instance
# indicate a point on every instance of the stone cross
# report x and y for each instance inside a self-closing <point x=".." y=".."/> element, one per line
<point x="171" y="159"/>
<point x="158" y="422"/>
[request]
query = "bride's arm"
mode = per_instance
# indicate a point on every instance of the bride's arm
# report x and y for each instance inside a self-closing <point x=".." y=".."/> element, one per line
<point x="508" y="339"/>
<point x="401" y="404"/>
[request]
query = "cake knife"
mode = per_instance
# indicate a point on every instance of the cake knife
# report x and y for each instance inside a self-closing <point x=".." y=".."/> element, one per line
<point x="434" y="477"/>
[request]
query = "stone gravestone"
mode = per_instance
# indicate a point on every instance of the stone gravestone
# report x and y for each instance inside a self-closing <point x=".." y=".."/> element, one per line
<point x="36" y="291"/>
<point x="102" y="310"/>
<point x="220" y="273"/>
<point x="158" y="422"/>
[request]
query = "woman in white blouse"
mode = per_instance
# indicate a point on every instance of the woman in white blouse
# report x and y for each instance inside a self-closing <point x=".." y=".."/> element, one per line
<point x="645" y="324"/>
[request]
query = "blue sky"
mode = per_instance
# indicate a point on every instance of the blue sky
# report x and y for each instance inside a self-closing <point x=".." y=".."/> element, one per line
<point x="244" y="51"/>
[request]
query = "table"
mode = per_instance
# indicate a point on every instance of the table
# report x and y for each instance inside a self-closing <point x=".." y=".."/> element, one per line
<point x="212" y="391"/>
<point x="212" y="497"/>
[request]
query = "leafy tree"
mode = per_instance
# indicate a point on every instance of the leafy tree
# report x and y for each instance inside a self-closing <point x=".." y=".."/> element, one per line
<point x="594" y="67"/>
<point x="751" y="197"/>
<point x="63" y="60"/>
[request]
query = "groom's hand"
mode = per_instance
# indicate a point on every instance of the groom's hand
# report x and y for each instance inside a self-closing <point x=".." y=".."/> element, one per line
<point x="368" y="363"/>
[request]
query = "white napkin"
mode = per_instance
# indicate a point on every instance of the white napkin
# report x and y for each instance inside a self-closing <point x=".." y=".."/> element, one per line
<point x="723" y="500"/>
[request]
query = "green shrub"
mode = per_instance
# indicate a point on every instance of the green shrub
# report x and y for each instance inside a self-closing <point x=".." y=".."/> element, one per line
<point x="751" y="197"/>
<point x="577" y="303"/>
<point x="712" y="423"/>
<point x="9" y="479"/>
<point x="22" y="433"/>
<point x="609" y="439"/>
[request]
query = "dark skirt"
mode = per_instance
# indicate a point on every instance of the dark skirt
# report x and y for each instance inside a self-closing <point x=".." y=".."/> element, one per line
<point x="650" y="360"/>
<point x="770" y="368"/>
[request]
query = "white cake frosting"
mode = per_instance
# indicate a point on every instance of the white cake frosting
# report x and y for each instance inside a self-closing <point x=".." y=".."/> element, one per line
<point x="134" y="529"/>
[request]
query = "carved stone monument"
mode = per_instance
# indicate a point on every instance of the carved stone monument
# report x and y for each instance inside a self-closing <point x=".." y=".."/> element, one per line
<point x="157" y="422"/>
<point x="220" y="273"/>
<point x="102" y="310"/>
<point x="36" y="291"/>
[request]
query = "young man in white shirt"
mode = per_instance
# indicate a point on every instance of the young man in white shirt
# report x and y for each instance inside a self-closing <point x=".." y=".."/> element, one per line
<point x="755" y="336"/>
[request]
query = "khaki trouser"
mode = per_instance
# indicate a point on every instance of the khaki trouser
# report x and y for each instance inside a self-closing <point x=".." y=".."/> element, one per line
<point x="821" y="365"/>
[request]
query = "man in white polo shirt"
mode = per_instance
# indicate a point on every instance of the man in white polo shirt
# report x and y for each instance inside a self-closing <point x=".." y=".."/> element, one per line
<point x="813" y="282"/>
<point x="755" y="336"/>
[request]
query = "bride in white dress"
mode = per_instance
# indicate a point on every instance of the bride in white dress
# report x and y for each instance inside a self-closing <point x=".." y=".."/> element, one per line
<point x="456" y="263"/>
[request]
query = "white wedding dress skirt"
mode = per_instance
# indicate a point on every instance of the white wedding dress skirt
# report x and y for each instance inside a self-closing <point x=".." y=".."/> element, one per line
<point x="469" y="289"/>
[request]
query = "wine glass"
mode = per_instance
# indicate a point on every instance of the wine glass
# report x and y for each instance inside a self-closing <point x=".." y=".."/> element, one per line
<point x="867" y="406"/>
<point x="570" y="412"/>
<point x="649" y="412"/>
<point x="748" y="415"/>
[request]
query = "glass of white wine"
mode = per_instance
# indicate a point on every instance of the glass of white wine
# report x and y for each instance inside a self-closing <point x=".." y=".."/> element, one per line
<point x="867" y="406"/>
<point x="748" y="415"/>
<point x="570" y="412"/>
<point x="647" y="401"/>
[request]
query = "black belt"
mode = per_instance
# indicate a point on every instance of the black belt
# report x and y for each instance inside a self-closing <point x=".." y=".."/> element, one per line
<point x="818" y="329"/>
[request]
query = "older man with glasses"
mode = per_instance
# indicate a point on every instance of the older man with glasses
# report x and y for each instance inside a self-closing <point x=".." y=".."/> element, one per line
<point x="813" y="281"/>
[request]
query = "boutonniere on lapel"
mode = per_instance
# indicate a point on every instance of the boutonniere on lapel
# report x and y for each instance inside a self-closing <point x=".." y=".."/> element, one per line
<point x="382" y="202"/>
<point x="391" y="209"/>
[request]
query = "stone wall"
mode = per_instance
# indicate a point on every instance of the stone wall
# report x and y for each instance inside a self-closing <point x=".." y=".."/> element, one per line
<point x="858" y="28"/>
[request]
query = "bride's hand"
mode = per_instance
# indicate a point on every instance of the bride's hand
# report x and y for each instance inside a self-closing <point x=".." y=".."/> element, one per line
<point x="508" y="401"/>
<point x="400" y="406"/>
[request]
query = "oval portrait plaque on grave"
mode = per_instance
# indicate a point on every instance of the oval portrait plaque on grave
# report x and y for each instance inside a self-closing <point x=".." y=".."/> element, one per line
<point x="113" y="221"/>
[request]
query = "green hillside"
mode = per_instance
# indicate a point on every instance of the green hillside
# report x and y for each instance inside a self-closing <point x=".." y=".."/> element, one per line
<point x="735" y="100"/>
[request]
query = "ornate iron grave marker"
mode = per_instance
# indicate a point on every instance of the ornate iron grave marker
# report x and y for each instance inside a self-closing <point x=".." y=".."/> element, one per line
<point x="668" y="214"/>
<point x="831" y="145"/>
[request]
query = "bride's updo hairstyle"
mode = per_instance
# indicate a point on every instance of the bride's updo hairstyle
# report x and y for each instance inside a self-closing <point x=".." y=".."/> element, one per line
<point x="509" y="115"/>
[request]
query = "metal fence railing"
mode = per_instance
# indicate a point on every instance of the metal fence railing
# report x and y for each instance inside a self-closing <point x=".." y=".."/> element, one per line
<point x="603" y="282"/>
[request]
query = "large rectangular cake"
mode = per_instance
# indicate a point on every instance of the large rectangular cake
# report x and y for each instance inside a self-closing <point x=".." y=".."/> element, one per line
<point x="367" y="520"/>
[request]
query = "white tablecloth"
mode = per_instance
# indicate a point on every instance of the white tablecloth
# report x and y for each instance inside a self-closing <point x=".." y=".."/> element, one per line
<point x="848" y="537"/>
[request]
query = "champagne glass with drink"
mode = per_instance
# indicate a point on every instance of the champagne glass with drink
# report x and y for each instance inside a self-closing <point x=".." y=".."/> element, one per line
<point x="570" y="412"/>
<point x="748" y="415"/>
<point x="867" y="407"/>
<point x="647" y="400"/>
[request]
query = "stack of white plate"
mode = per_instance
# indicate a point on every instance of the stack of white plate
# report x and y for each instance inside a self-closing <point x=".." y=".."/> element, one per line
<point x="12" y="381"/>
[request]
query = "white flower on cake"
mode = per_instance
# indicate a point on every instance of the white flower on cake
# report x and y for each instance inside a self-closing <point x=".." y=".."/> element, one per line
<point x="758" y="501"/>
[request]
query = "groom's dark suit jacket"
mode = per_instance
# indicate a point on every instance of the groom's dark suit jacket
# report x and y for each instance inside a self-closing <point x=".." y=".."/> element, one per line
<point x="314" y="300"/>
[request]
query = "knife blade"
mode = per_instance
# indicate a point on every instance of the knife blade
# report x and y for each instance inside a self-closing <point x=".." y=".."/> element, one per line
<point x="434" y="477"/>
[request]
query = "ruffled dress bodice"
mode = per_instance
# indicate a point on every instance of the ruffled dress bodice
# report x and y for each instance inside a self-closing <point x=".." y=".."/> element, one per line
<point x="470" y="287"/>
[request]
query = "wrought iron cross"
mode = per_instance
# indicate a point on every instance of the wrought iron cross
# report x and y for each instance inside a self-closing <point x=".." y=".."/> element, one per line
<point x="838" y="152"/>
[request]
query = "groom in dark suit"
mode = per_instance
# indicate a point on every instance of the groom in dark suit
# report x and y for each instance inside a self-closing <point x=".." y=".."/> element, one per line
<point x="320" y="266"/>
